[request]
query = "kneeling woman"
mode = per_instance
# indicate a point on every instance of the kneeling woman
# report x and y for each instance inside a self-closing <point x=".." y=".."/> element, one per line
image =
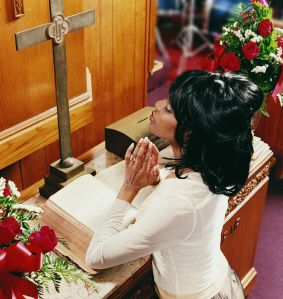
<point x="207" y="122"/>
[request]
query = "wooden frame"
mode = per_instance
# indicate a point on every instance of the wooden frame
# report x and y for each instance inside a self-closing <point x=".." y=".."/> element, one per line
<point x="26" y="137"/>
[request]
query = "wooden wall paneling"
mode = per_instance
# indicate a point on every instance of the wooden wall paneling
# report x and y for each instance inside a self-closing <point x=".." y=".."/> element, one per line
<point x="141" y="53"/>
<point x="33" y="167"/>
<point x="26" y="77"/>
<point x="78" y="144"/>
<point x="123" y="57"/>
<point x="106" y="82"/>
<point x="75" y="52"/>
<point x="52" y="153"/>
<point x="94" y="133"/>
<point x="93" y="62"/>
<point x="152" y="15"/>
<point x="13" y="173"/>
<point x="270" y="132"/>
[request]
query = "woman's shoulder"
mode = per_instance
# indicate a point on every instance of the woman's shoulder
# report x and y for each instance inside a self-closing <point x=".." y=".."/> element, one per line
<point x="190" y="189"/>
<point x="189" y="180"/>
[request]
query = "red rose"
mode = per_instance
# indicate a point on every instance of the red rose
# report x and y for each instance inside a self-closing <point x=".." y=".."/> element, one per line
<point x="265" y="27"/>
<point x="9" y="229"/>
<point x="230" y="62"/>
<point x="43" y="240"/>
<point x="6" y="191"/>
<point x="218" y="49"/>
<point x="250" y="50"/>
<point x="280" y="42"/>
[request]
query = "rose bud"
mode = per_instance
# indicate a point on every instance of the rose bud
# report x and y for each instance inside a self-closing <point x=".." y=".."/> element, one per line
<point x="218" y="48"/>
<point x="265" y="27"/>
<point x="280" y="42"/>
<point x="250" y="50"/>
<point x="6" y="191"/>
<point x="9" y="229"/>
<point x="44" y="240"/>
<point x="230" y="62"/>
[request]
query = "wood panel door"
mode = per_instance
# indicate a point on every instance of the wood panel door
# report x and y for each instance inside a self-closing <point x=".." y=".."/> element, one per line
<point x="107" y="63"/>
<point x="240" y="234"/>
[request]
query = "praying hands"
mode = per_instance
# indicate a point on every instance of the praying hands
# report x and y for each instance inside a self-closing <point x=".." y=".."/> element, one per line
<point x="141" y="169"/>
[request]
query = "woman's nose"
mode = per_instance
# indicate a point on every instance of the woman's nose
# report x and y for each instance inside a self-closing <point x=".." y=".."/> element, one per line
<point x="160" y="104"/>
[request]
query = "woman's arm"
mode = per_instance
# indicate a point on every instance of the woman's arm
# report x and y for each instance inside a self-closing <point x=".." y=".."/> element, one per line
<point x="168" y="221"/>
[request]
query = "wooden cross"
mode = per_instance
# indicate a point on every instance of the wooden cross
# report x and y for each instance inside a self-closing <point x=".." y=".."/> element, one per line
<point x="56" y="30"/>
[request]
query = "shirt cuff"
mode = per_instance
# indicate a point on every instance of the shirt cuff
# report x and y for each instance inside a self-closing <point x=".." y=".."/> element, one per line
<point x="121" y="204"/>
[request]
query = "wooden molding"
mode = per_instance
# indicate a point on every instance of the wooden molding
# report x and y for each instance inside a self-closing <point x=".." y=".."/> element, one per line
<point x="277" y="23"/>
<point x="26" y="137"/>
<point x="249" y="280"/>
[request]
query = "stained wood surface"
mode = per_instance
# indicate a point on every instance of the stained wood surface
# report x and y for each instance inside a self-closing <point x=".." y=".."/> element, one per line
<point x="115" y="51"/>
<point x="270" y="130"/>
<point x="240" y="245"/>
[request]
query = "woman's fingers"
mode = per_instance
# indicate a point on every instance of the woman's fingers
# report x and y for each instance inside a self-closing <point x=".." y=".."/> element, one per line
<point x="154" y="175"/>
<point x="140" y="153"/>
<point x="146" y="161"/>
<point x="154" y="156"/>
<point x="128" y="153"/>
<point x="137" y="148"/>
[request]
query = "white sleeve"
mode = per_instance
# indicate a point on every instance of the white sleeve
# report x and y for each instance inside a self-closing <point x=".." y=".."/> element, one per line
<point x="164" y="224"/>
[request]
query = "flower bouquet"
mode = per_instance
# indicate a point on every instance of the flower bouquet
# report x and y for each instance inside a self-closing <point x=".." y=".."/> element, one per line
<point x="251" y="46"/>
<point x="28" y="263"/>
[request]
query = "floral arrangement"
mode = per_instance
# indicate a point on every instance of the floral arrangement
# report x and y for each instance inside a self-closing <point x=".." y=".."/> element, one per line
<point x="250" y="45"/>
<point x="27" y="260"/>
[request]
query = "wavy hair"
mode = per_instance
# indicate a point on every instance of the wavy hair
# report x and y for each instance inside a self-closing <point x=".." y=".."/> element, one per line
<point x="214" y="113"/>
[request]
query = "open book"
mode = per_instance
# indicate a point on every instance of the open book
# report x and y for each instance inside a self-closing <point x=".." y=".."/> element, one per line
<point x="74" y="212"/>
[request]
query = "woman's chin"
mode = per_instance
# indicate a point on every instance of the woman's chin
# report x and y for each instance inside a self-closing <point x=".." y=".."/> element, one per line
<point x="151" y="128"/>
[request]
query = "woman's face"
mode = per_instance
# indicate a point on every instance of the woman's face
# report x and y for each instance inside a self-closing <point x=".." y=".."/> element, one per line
<point x="162" y="121"/>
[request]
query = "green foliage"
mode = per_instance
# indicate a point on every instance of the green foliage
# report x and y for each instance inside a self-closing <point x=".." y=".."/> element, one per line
<point x="56" y="270"/>
<point x="6" y="204"/>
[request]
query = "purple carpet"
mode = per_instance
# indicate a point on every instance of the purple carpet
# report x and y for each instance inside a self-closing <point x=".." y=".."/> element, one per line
<point x="269" y="254"/>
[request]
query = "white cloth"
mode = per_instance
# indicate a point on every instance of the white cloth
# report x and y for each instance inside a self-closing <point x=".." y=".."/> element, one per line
<point x="181" y="226"/>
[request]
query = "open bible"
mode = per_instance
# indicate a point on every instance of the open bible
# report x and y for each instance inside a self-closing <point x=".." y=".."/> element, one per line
<point x="74" y="212"/>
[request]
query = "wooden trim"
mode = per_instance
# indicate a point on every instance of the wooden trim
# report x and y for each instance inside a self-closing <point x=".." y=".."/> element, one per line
<point x="249" y="280"/>
<point x="31" y="190"/>
<point x="23" y="139"/>
<point x="277" y="23"/>
<point x="132" y="281"/>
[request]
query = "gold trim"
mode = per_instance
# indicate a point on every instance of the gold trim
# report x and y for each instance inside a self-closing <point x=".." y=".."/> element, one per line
<point x="243" y="193"/>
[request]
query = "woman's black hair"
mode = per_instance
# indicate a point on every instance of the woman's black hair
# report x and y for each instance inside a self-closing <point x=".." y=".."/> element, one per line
<point x="213" y="113"/>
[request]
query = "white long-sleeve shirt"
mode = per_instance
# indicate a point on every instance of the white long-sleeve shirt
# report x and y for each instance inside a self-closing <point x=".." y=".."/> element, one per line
<point x="181" y="226"/>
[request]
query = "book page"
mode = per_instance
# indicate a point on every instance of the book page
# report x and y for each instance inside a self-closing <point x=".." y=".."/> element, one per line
<point x="88" y="197"/>
<point x="85" y="199"/>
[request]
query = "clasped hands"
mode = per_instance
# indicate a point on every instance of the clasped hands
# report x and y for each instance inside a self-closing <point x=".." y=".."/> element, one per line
<point x="141" y="169"/>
